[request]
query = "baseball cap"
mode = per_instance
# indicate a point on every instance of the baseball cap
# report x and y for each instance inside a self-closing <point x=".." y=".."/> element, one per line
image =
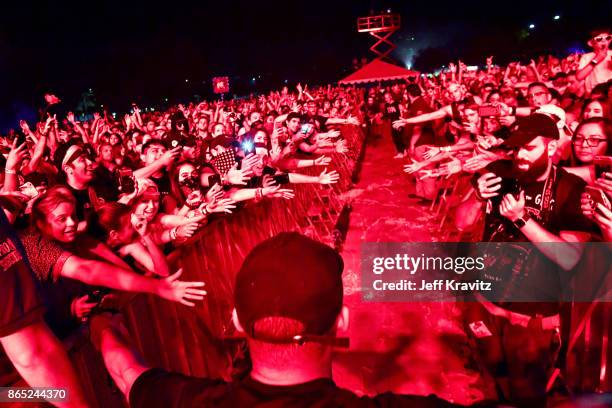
<point x="530" y="127"/>
<point x="554" y="111"/>
<point x="291" y="276"/>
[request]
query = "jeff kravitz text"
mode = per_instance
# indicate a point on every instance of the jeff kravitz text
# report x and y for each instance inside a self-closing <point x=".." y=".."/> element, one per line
<point x="411" y="264"/>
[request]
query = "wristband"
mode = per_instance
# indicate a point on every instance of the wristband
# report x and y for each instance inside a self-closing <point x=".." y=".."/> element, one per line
<point x="520" y="222"/>
<point x="594" y="62"/>
<point x="9" y="171"/>
<point x="173" y="233"/>
<point x="514" y="111"/>
<point x="259" y="194"/>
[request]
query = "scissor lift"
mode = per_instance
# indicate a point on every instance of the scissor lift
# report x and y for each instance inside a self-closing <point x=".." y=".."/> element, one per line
<point x="380" y="27"/>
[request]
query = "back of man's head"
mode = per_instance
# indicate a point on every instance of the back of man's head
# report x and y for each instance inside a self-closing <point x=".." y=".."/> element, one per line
<point x="289" y="309"/>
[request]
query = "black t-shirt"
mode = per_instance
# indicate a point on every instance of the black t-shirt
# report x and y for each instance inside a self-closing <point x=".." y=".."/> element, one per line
<point x="104" y="184"/>
<point x="520" y="274"/>
<point x="391" y="111"/>
<point x="159" y="388"/>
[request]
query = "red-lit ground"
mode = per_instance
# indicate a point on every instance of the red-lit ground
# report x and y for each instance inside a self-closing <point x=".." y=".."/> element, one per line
<point x="417" y="348"/>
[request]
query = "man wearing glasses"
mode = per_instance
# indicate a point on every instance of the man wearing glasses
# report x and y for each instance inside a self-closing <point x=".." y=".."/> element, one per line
<point x="596" y="67"/>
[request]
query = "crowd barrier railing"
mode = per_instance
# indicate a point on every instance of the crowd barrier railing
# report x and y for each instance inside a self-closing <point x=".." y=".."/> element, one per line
<point x="193" y="341"/>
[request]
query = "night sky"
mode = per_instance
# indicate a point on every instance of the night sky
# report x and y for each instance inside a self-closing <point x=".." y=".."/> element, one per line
<point x="144" y="51"/>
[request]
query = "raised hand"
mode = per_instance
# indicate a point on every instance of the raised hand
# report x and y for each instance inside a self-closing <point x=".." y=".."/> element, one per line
<point x="171" y="288"/>
<point x="70" y="117"/>
<point x="24" y="126"/>
<point x="16" y="156"/>
<point x="249" y="162"/>
<point x="214" y="193"/>
<point x="171" y="155"/>
<point x="329" y="178"/>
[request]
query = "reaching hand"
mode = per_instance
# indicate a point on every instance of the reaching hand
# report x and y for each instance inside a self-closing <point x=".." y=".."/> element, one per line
<point x="431" y="152"/>
<point x="352" y="120"/>
<point x="171" y="288"/>
<point x="413" y="167"/>
<point x="278" y="192"/>
<point x="341" y="147"/>
<point x="322" y="161"/>
<point x="187" y="230"/>
<point x="70" y="117"/>
<point x="400" y="123"/>
<point x="224" y="205"/>
<point x="332" y="134"/>
<point x="478" y="162"/>
<point x="489" y="61"/>
<point x="328" y="178"/>
<point x="450" y="168"/>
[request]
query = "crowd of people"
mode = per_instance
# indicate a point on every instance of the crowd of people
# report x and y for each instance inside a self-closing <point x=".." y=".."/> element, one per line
<point x="527" y="150"/>
<point x="98" y="203"/>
